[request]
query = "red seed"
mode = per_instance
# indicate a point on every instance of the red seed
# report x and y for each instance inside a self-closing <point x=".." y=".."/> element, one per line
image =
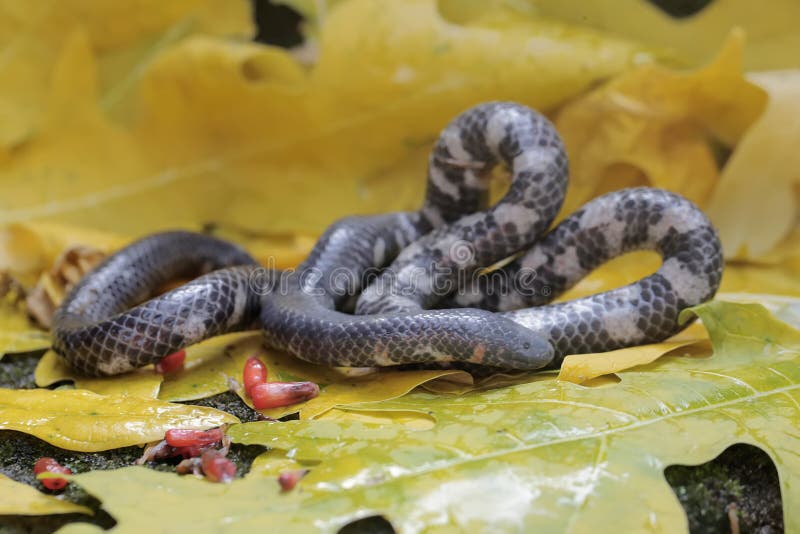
<point x="192" y="451"/>
<point x="50" y="465"/>
<point x="171" y="363"/>
<point x="216" y="467"/>
<point x="275" y="394"/>
<point x="177" y="437"/>
<point x="289" y="479"/>
<point x="255" y="372"/>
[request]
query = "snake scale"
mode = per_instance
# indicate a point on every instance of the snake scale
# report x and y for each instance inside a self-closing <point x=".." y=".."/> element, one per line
<point x="413" y="287"/>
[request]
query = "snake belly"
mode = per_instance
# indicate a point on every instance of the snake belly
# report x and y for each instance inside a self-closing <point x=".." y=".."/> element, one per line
<point x="407" y="272"/>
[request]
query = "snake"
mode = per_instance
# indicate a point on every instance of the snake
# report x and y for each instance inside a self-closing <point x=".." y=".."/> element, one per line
<point x="457" y="282"/>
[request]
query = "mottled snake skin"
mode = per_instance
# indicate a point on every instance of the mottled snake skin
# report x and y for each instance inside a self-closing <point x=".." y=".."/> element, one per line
<point x="422" y="296"/>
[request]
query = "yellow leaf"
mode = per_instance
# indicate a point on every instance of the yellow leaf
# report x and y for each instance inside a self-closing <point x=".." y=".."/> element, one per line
<point x="84" y="421"/>
<point x="143" y="383"/>
<point x="17" y="498"/>
<point x="28" y="249"/>
<point x="209" y="365"/>
<point x="378" y="386"/>
<point x="413" y="71"/>
<point x="271" y="464"/>
<point x="757" y="203"/>
<point x="693" y="38"/>
<point x="125" y="34"/>
<point x="580" y="368"/>
<point x="17" y="334"/>
<point x="649" y="127"/>
<point x="552" y="456"/>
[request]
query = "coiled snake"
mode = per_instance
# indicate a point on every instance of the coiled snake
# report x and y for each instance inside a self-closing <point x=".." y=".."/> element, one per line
<point x="422" y="296"/>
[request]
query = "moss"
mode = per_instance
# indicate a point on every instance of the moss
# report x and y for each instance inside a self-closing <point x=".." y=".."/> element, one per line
<point x="742" y="476"/>
<point x="19" y="451"/>
<point x="16" y="370"/>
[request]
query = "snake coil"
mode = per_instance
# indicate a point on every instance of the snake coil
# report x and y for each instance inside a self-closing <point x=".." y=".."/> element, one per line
<point x="431" y="301"/>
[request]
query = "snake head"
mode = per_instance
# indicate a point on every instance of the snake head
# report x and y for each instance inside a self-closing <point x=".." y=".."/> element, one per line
<point x="489" y="339"/>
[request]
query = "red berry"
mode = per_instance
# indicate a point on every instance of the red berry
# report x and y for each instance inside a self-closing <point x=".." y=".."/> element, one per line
<point x="177" y="437"/>
<point x="289" y="479"/>
<point x="275" y="394"/>
<point x="171" y="363"/>
<point x="255" y="372"/>
<point x="49" y="465"/>
<point x="216" y="467"/>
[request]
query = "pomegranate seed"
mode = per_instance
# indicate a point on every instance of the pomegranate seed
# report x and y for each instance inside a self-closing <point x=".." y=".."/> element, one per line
<point x="171" y="363"/>
<point x="289" y="479"/>
<point x="177" y="437"/>
<point x="50" y="465"/>
<point x="255" y="372"/>
<point x="191" y="451"/>
<point x="216" y="467"/>
<point x="275" y="394"/>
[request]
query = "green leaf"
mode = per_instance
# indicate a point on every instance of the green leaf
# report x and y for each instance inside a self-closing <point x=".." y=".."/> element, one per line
<point x="142" y="500"/>
<point x="554" y="456"/>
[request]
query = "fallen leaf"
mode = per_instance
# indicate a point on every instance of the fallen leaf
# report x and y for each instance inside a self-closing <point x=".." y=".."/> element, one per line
<point x="17" y="498"/>
<point x="17" y="332"/>
<point x="125" y="35"/>
<point x="174" y="502"/>
<point x="580" y="368"/>
<point x="693" y="38"/>
<point x="144" y="383"/>
<point x="209" y="365"/>
<point x="408" y="79"/>
<point x="380" y="386"/>
<point x="757" y="202"/>
<point x="551" y="455"/>
<point x="650" y="126"/>
<point x="80" y="420"/>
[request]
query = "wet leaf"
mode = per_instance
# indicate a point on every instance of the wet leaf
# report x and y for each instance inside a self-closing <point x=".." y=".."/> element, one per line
<point x="80" y="420"/>
<point x="52" y="369"/>
<point x="17" y="498"/>
<point x="242" y="506"/>
<point x="210" y="364"/>
<point x="377" y="386"/>
<point x="580" y="368"/>
<point x="106" y="124"/>
<point x="552" y="455"/>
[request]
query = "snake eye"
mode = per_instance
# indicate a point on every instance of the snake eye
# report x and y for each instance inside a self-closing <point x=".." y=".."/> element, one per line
<point x="526" y="345"/>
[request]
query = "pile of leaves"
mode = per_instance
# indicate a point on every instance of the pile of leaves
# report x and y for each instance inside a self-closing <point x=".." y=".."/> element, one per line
<point x="128" y="117"/>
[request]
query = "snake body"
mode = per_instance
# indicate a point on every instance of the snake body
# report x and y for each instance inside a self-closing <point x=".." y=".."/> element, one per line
<point x="425" y="299"/>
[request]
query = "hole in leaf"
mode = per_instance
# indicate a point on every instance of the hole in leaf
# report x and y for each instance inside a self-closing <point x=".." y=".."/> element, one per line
<point x="375" y="524"/>
<point x="681" y="9"/>
<point x="737" y="488"/>
<point x="277" y="24"/>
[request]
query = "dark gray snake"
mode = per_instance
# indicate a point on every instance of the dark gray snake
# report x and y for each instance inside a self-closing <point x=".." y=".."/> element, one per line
<point x="416" y="281"/>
